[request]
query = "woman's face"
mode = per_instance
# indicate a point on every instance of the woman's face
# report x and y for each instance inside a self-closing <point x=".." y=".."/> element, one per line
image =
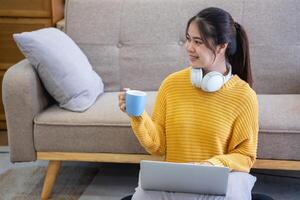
<point x="199" y="54"/>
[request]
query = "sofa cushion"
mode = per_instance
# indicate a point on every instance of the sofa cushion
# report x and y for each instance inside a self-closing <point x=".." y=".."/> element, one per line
<point x="102" y="128"/>
<point x="279" y="136"/>
<point x="105" y="112"/>
<point x="64" y="70"/>
<point x="107" y="129"/>
<point x="279" y="113"/>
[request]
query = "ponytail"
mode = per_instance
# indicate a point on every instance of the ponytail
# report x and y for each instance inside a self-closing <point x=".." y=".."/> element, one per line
<point x="240" y="60"/>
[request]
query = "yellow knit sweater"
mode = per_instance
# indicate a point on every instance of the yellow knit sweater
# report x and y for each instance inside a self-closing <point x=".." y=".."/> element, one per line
<point x="190" y="125"/>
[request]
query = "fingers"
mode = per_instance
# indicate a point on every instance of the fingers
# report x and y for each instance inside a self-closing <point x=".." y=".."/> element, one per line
<point x="122" y="104"/>
<point x="206" y="164"/>
<point x="121" y="96"/>
<point x="122" y="107"/>
<point x="202" y="163"/>
<point x="123" y="93"/>
<point x="122" y="100"/>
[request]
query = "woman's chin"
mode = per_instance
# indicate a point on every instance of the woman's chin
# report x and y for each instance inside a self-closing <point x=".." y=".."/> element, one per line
<point x="194" y="64"/>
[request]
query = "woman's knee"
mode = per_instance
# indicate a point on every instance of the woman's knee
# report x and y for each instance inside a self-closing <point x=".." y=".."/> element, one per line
<point x="240" y="185"/>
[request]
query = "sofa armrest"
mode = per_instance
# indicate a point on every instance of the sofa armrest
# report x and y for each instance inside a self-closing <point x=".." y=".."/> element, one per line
<point x="23" y="97"/>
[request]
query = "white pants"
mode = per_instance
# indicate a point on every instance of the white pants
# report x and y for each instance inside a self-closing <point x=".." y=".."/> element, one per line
<point x="239" y="187"/>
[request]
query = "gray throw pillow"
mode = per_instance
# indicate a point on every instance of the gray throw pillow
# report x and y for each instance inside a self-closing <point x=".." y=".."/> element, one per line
<point x="63" y="68"/>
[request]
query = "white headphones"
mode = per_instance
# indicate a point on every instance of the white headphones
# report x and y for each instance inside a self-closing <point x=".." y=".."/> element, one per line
<point x="212" y="81"/>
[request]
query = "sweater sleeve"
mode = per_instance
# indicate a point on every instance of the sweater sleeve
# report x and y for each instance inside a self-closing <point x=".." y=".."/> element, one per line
<point x="243" y="144"/>
<point x="150" y="131"/>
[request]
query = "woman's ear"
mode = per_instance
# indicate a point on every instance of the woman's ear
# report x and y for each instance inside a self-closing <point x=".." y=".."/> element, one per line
<point x="221" y="48"/>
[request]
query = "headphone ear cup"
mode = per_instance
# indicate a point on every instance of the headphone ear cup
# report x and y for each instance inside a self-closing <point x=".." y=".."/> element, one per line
<point x="212" y="81"/>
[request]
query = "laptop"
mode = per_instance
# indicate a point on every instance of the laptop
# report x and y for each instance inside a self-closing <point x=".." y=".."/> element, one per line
<point x="183" y="177"/>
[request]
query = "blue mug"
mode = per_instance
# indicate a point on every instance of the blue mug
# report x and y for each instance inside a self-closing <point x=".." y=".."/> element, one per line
<point x="135" y="102"/>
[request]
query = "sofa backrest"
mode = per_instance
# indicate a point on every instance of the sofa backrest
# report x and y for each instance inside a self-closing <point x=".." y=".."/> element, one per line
<point x="137" y="43"/>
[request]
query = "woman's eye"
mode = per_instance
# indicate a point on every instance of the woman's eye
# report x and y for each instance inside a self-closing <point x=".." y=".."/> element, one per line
<point x="198" y="42"/>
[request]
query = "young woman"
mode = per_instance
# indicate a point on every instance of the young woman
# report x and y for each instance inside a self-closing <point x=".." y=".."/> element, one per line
<point x="206" y="113"/>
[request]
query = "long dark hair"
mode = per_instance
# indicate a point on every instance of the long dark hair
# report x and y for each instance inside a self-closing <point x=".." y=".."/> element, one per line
<point x="216" y="26"/>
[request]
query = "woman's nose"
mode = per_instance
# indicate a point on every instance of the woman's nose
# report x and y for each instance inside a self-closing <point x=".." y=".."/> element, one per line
<point x="189" y="46"/>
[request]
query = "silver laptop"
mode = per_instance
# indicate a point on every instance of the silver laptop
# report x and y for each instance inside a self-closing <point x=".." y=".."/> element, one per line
<point x="183" y="177"/>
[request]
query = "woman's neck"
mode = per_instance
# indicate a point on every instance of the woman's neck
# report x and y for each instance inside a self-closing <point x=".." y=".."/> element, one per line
<point x="219" y="67"/>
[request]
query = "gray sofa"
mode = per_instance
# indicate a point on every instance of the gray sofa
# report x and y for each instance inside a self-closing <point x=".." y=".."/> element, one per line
<point x="136" y="44"/>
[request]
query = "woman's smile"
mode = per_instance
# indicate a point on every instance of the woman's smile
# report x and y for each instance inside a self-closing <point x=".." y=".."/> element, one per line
<point x="193" y="58"/>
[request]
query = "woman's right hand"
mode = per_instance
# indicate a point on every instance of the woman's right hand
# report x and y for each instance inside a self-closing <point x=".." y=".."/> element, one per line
<point x="122" y="100"/>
